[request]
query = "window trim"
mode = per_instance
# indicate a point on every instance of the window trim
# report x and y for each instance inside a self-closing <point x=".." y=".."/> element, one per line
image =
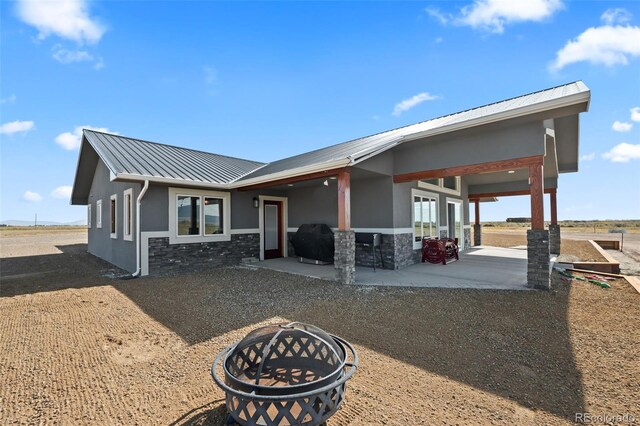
<point x="441" y="188"/>
<point x="174" y="238"/>
<point x="424" y="194"/>
<point x="99" y="214"/>
<point x="127" y="215"/>
<point x="89" y="216"/>
<point x="113" y="219"/>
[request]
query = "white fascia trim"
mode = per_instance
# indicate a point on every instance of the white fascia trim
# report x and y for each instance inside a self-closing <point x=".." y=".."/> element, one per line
<point x="182" y="182"/>
<point x="574" y="99"/>
<point x="245" y="231"/>
<point x="144" y="248"/>
<point x="299" y="171"/>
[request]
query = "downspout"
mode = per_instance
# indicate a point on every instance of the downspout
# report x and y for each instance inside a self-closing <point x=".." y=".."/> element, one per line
<point x="138" y="232"/>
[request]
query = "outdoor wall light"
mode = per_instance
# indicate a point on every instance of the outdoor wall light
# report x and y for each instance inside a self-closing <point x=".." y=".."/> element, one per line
<point x="256" y="202"/>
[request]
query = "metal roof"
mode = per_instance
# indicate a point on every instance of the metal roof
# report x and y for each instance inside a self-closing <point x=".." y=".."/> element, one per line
<point x="360" y="149"/>
<point x="135" y="157"/>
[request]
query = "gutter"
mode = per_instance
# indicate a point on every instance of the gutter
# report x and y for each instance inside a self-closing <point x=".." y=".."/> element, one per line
<point x="138" y="232"/>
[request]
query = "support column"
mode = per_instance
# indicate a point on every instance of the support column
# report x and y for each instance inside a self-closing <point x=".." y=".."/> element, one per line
<point x="538" y="273"/>
<point x="554" y="228"/>
<point x="477" y="228"/>
<point x="345" y="238"/>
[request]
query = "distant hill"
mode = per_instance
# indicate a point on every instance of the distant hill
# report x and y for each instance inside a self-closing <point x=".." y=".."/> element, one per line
<point x="42" y="223"/>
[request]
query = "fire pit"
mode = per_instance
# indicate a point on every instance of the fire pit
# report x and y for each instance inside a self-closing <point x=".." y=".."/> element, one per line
<point x="285" y="375"/>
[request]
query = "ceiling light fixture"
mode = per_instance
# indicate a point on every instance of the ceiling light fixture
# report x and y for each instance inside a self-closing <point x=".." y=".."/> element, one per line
<point x="511" y="172"/>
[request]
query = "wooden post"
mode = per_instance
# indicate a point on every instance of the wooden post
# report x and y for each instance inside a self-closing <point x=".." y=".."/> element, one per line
<point x="554" y="207"/>
<point x="344" y="200"/>
<point x="537" y="196"/>
<point x="477" y="202"/>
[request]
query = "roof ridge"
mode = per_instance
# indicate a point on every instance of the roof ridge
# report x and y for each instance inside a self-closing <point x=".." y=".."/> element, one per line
<point x="173" y="146"/>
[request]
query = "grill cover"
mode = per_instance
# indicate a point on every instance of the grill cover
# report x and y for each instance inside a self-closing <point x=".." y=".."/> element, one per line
<point x="315" y="242"/>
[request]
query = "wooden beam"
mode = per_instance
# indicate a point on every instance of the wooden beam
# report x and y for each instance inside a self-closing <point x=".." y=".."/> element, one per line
<point x="474" y="197"/>
<point x="344" y="200"/>
<point x="536" y="183"/>
<point x="554" y="207"/>
<point x="477" y="203"/>
<point x="295" y="179"/>
<point x="472" y="169"/>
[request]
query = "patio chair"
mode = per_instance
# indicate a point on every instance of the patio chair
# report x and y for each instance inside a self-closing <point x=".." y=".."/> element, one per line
<point x="439" y="250"/>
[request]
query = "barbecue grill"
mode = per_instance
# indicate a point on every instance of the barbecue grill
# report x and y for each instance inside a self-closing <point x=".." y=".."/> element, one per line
<point x="285" y="375"/>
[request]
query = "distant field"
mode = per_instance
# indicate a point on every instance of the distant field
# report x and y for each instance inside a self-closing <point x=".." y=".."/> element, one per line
<point x="14" y="231"/>
<point x="599" y="226"/>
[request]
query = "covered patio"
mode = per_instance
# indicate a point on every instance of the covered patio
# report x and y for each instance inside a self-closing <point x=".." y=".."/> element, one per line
<point x="481" y="267"/>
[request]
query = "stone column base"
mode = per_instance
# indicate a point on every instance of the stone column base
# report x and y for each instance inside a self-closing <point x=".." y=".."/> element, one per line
<point x="554" y="239"/>
<point x="344" y="258"/>
<point x="477" y="235"/>
<point x="538" y="274"/>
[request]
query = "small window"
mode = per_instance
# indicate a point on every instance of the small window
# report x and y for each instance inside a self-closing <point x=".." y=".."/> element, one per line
<point x="89" y="216"/>
<point x="113" y="222"/>
<point x="99" y="214"/>
<point x="128" y="215"/>
<point x="434" y="182"/>
<point x="213" y="216"/>
<point x="450" y="182"/>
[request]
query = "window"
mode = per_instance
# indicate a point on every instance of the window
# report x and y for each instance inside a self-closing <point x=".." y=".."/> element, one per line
<point x="113" y="223"/>
<point x="99" y="214"/>
<point x="89" y="216"/>
<point x="425" y="216"/>
<point x="198" y="216"/>
<point x="449" y="184"/>
<point x="127" y="223"/>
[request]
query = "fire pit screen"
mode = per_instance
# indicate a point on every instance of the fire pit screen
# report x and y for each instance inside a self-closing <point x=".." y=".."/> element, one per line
<point x="285" y="374"/>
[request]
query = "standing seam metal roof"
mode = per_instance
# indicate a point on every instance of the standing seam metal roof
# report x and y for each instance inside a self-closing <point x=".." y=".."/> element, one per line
<point x="137" y="157"/>
<point x="358" y="148"/>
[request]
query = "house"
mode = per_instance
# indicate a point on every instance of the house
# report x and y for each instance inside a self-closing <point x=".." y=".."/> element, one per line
<point x="154" y="208"/>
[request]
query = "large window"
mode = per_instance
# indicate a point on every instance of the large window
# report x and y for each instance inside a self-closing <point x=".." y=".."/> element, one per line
<point x="99" y="214"/>
<point x="127" y="225"/>
<point x="449" y="184"/>
<point x="113" y="221"/>
<point x="425" y="216"/>
<point x="198" y="216"/>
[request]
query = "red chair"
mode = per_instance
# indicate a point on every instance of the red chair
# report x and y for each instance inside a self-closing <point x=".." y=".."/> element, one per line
<point x="437" y="250"/>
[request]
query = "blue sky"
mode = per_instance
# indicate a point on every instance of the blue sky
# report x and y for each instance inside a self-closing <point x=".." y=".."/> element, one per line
<point x="266" y="80"/>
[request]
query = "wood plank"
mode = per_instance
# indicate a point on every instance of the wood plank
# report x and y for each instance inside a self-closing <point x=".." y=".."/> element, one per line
<point x="295" y="179"/>
<point x="554" y="207"/>
<point x="471" y="169"/>
<point x="587" y="271"/>
<point x="536" y="183"/>
<point x="473" y="197"/>
<point x="634" y="281"/>
<point x="344" y="199"/>
<point x="477" y="203"/>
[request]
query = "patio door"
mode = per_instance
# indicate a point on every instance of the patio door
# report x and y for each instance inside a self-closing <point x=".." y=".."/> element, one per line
<point x="454" y="222"/>
<point x="272" y="229"/>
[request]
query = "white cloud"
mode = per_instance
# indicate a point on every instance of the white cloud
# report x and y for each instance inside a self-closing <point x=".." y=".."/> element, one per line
<point x="588" y="157"/>
<point x="16" y="127"/>
<point x="31" y="196"/>
<point x="615" y="16"/>
<point x="8" y="100"/>
<point x="72" y="140"/>
<point x="62" y="192"/>
<point x="68" y="19"/>
<point x="620" y="126"/>
<point x="623" y="153"/>
<point x="435" y="13"/>
<point x="635" y="113"/>
<point x="65" y="56"/>
<point x="407" y="104"/>
<point x="493" y="15"/>
<point x="605" y="45"/>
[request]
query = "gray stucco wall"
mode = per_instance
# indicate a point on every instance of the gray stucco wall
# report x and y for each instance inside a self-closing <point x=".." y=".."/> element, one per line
<point x="474" y="146"/>
<point x="372" y="202"/>
<point x="118" y="251"/>
<point x="313" y="204"/>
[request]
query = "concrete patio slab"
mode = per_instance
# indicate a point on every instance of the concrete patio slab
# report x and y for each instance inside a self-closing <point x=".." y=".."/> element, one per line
<point x="480" y="267"/>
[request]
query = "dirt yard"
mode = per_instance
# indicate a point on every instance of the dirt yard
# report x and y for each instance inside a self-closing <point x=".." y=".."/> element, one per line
<point x="79" y="347"/>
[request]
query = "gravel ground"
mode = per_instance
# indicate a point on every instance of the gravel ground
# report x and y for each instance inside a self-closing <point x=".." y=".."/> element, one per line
<point x="106" y="351"/>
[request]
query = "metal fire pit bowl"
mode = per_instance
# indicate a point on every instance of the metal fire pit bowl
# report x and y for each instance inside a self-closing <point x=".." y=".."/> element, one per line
<point x="285" y="375"/>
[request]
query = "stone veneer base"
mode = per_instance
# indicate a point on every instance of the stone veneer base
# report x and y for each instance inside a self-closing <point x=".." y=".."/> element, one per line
<point x="538" y="263"/>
